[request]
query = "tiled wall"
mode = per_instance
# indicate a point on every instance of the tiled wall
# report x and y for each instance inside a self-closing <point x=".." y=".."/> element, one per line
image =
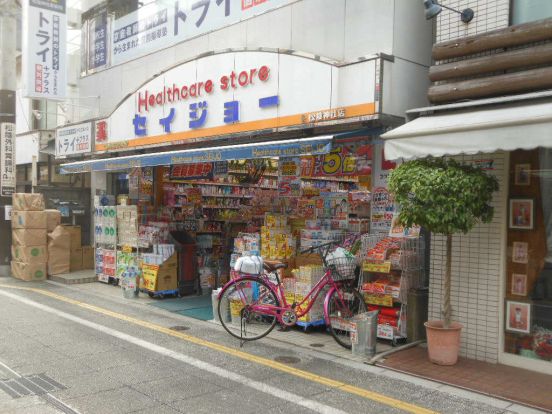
<point x="476" y="274"/>
<point x="489" y="15"/>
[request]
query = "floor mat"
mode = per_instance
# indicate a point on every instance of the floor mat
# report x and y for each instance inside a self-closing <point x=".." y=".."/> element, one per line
<point x="204" y="314"/>
<point x="185" y="303"/>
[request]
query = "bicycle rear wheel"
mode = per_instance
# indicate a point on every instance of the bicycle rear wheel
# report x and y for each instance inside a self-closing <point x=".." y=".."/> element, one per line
<point x="236" y="308"/>
<point x="343" y="304"/>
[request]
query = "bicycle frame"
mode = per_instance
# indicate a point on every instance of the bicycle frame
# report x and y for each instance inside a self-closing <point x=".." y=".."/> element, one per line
<point x="310" y="298"/>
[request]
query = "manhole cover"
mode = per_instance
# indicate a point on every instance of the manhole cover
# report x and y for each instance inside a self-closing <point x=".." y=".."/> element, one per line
<point x="287" y="359"/>
<point x="30" y="385"/>
<point x="179" y="328"/>
<point x="317" y="345"/>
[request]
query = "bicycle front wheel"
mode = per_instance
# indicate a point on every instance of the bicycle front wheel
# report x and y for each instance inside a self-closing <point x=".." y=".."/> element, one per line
<point x="344" y="303"/>
<point x="237" y="308"/>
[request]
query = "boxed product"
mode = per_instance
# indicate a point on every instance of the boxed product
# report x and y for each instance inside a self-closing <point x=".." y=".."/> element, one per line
<point x="29" y="237"/>
<point x="59" y="251"/>
<point x="76" y="259"/>
<point x="27" y="202"/>
<point x="75" y="233"/>
<point x="87" y="257"/>
<point x="28" y="271"/>
<point x="29" y="254"/>
<point x="53" y="219"/>
<point x="28" y="220"/>
<point x="160" y="277"/>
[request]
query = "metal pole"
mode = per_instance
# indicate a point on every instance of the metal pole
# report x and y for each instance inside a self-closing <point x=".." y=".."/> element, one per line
<point x="33" y="174"/>
<point x="8" y="85"/>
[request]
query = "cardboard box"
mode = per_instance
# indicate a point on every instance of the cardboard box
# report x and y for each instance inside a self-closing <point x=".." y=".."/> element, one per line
<point x="28" y="220"/>
<point x="59" y="251"/>
<point x="88" y="257"/>
<point x="30" y="254"/>
<point x="160" y="277"/>
<point x="29" y="237"/>
<point x="75" y="233"/>
<point x="27" y="202"/>
<point x="28" y="271"/>
<point x="53" y="219"/>
<point x="76" y="259"/>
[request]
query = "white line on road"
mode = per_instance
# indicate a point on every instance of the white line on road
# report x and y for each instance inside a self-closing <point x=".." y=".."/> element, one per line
<point x="205" y="366"/>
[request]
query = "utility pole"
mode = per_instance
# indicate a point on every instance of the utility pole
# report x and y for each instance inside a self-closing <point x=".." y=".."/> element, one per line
<point x="9" y="12"/>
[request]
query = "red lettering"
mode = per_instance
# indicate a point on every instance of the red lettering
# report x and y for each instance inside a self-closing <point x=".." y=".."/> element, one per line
<point x="264" y="71"/>
<point x="199" y="85"/>
<point x="209" y="86"/>
<point x="224" y="83"/>
<point x="176" y="92"/>
<point x="184" y="92"/>
<point x="193" y="90"/>
<point x="159" y="99"/>
<point x="243" y="79"/>
<point x="151" y="100"/>
<point x="233" y="79"/>
<point x="252" y="75"/>
<point x="142" y="101"/>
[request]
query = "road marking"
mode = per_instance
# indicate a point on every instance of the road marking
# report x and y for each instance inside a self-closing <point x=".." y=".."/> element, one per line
<point x="341" y="386"/>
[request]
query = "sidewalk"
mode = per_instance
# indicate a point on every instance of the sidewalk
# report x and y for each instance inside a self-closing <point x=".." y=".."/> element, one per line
<point x="496" y="380"/>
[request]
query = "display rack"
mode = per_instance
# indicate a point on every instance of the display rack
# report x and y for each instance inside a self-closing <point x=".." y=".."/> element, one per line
<point x="105" y="243"/>
<point x="390" y="268"/>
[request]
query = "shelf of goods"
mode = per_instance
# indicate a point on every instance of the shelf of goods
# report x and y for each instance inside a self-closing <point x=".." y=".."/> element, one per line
<point x="105" y="243"/>
<point x="390" y="267"/>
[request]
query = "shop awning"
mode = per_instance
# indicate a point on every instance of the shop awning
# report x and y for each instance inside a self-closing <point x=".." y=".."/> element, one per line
<point x="288" y="148"/>
<point x="472" y="131"/>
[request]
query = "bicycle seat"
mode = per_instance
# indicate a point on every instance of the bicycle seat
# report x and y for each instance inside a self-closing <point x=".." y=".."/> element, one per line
<point x="272" y="265"/>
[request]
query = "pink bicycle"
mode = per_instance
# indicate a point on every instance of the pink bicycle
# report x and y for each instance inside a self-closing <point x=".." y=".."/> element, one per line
<point x="258" y="302"/>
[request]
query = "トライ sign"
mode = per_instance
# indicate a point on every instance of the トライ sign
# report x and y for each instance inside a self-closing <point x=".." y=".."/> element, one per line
<point x="44" y="49"/>
<point x="74" y="139"/>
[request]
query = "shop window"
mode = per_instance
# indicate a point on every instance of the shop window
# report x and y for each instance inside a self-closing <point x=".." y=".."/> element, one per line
<point x="524" y="11"/>
<point x="528" y="305"/>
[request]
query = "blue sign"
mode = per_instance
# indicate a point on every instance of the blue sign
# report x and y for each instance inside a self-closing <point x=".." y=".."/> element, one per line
<point x="289" y="148"/>
<point x="97" y="43"/>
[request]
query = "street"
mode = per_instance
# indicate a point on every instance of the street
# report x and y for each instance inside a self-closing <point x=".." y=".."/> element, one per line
<point x="77" y="352"/>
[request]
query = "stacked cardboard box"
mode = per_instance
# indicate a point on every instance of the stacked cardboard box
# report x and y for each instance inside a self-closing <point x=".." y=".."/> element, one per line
<point x="59" y="249"/>
<point x="76" y="247"/>
<point x="29" y="223"/>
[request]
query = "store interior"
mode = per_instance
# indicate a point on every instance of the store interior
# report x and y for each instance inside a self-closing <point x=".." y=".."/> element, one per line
<point x="176" y="231"/>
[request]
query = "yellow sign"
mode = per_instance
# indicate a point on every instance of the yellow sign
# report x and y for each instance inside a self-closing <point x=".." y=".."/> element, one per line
<point x="149" y="275"/>
<point x="384" y="267"/>
<point x="381" y="300"/>
<point x="127" y="249"/>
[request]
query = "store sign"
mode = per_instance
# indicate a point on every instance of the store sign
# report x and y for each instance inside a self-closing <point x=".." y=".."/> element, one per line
<point x="44" y="49"/>
<point x="97" y="40"/>
<point x="100" y="127"/>
<point x="198" y="171"/>
<point x="342" y="161"/>
<point x="231" y="93"/>
<point x="7" y="159"/>
<point x="74" y="139"/>
<point x="159" y="25"/>
<point x="328" y="115"/>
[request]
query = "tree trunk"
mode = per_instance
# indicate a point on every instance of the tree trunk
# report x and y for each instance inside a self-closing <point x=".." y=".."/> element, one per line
<point x="447" y="310"/>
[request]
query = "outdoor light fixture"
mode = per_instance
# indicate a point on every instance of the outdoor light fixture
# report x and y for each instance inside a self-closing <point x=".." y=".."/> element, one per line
<point x="432" y="9"/>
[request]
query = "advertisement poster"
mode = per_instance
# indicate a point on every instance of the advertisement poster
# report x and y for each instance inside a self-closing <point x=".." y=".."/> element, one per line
<point x="289" y="182"/>
<point x="7" y="159"/>
<point x="97" y="40"/>
<point x="345" y="160"/>
<point x="44" y="49"/>
<point x="383" y="209"/>
<point x="74" y="139"/>
<point x="398" y="230"/>
<point x="197" y="171"/>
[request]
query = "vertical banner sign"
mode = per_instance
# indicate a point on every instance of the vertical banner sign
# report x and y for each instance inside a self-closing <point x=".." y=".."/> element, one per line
<point x="7" y="159"/>
<point x="44" y="49"/>
<point x="289" y="183"/>
<point x="97" y="40"/>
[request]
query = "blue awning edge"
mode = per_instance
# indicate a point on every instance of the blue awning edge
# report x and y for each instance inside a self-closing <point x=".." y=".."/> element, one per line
<point x="288" y="148"/>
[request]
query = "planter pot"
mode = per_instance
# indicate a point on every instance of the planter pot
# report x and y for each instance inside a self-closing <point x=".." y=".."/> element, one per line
<point x="443" y="344"/>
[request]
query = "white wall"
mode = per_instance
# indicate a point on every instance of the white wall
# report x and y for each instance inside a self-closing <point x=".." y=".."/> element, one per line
<point x="342" y="30"/>
<point x="477" y="272"/>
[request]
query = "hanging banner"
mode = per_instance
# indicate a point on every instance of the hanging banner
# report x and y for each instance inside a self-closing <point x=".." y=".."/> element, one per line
<point x="289" y="182"/>
<point x="44" y="49"/>
<point x="97" y="39"/>
<point x="159" y="25"/>
<point x="343" y="160"/>
<point x="198" y="171"/>
<point x="7" y="159"/>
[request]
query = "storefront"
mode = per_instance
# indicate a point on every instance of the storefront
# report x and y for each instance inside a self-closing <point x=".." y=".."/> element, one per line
<point x="502" y="270"/>
<point x="248" y="153"/>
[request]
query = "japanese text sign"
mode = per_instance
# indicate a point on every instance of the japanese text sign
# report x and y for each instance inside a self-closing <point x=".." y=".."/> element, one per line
<point x="160" y="24"/>
<point x="198" y="171"/>
<point x="44" y="49"/>
<point x="74" y="139"/>
<point x="7" y="159"/>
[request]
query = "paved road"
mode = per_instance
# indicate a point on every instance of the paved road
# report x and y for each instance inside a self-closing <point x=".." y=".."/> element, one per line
<point x="84" y="353"/>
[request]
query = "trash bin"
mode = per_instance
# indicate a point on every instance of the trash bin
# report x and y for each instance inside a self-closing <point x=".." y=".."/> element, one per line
<point x="185" y="246"/>
<point x="364" y="331"/>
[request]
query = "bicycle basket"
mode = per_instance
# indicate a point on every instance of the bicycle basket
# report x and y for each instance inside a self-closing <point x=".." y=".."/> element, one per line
<point x="343" y="268"/>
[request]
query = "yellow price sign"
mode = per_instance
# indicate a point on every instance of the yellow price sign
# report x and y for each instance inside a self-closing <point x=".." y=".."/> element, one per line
<point x="127" y="249"/>
<point x="384" y="267"/>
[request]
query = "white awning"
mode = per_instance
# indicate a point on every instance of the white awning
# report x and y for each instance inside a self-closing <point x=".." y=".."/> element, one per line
<point x="472" y="131"/>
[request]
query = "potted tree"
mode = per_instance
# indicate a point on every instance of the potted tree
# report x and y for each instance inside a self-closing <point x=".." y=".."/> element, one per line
<point x="444" y="197"/>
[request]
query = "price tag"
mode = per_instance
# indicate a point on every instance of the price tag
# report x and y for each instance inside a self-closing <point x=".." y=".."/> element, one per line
<point x="127" y="249"/>
<point x="385" y="331"/>
<point x="384" y="267"/>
